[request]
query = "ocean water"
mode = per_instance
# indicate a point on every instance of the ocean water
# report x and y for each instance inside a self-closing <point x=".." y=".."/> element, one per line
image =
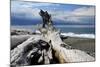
<point x="71" y="30"/>
<point x="78" y="29"/>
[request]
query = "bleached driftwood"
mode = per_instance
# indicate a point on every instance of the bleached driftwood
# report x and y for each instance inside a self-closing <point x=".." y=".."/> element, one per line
<point x="24" y="51"/>
<point x="66" y="55"/>
<point x="52" y="37"/>
<point x="18" y="51"/>
<point x="18" y="39"/>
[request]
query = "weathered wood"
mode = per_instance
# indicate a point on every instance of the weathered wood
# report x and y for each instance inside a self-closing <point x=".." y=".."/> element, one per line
<point x="66" y="55"/>
<point x="25" y="50"/>
<point x="18" y="39"/>
<point x="18" y="51"/>
<point x="44" y="54"/>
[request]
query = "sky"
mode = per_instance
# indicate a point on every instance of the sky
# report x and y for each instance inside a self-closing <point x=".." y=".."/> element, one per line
<point x="27" y="13"/>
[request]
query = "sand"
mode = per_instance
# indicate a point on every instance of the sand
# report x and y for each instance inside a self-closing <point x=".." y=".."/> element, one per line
<point x="84" y="44"/>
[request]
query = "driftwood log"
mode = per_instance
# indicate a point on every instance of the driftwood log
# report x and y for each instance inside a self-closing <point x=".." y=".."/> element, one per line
<point x="47" y="48"/>
<point x="66" y="54"/>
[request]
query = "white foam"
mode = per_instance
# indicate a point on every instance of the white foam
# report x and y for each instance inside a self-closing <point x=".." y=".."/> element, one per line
<point x="79" y="35"/>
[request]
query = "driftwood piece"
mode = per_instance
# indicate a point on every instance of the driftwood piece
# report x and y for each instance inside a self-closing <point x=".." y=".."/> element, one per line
<point x="18" y="51"/>
<point x="18" y="39"/>
<point x="66" y="55"/>
<point x="35" y="50"/>
<point x="29" y="54"/>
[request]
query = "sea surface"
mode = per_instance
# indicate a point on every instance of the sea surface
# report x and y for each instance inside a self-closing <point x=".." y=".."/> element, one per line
<point x="70" y="29"/>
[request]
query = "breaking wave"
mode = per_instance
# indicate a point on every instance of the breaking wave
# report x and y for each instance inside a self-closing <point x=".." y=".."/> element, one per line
<point x="78" y="35"/>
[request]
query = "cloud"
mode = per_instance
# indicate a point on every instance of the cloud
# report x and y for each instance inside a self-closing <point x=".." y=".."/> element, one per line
<point x="84" y="11"/>
<point x="23" y="10"/>
<point x="76" y="15"/>
<point x="30" y="10"/>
